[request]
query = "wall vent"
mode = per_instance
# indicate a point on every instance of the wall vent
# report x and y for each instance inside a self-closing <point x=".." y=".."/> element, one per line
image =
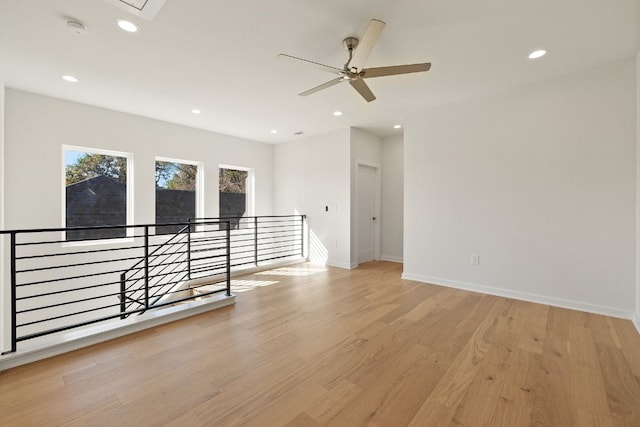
<point x="145" y="9"/>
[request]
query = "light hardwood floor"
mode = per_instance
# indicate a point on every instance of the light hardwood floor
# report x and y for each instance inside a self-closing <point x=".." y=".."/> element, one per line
<point x="325" y="346"/>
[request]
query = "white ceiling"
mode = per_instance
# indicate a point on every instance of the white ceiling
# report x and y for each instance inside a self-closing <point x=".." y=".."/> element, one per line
<point x="221" y="56"/>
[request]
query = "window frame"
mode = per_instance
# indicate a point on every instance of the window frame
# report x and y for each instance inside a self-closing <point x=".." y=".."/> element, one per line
<point x="129" y="215"/>
<point x="249" y="194"/>
<point x="199" y="212"/>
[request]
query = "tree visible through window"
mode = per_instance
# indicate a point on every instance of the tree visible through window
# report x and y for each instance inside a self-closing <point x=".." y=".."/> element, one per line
<point x="176" y="185"/>
<point x="96" y="194"/>
<point x="233" y="194"/>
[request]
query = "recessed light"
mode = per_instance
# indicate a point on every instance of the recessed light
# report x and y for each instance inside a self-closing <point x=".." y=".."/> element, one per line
<point x="127" y="26"/>
<point x="397" y="126"/>
<point x="274" y="131"/>
<point x="69" y="78"/>
<point x="195" y="111"/>
<point x="537" y="54"/>
<point x="337" y="113"/>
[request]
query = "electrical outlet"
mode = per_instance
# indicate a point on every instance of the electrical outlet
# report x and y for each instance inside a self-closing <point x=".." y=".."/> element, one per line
<point x="475" y="259"/>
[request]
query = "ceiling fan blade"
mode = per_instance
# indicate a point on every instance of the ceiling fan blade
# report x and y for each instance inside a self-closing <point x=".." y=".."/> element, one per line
<point x="322" y="86"/>
<point x="363" y="89"/>
<point x="366" y="44"/>
<point x="394" y="69"/>
<point x="322" y="67"/>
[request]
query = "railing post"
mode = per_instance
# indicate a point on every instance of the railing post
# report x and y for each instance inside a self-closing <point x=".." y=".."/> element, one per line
<point x="146" y="266"/>
<point x="228" y="258"/>
<point x="255" y="240"/>
<point x="302" y="235"/>
<point x="189" y="251"/>
<point x="123" y="292"/>
<point x="14" y="338"/>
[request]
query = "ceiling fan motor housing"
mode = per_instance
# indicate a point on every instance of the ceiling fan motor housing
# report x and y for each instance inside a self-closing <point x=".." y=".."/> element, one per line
<point x="350" y="43"/>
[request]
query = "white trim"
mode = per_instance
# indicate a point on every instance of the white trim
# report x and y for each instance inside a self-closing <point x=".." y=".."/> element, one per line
<point x="524" y="296"/>
<point x="636" y="321"/>
<point x="62" y="343"/>
<point x="391" y="258"/>
<point x="377" y="238"/>
<point x="339" y="264"/>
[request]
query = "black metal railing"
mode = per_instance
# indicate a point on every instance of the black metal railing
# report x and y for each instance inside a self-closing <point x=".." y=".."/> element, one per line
<point x="261" y="239"/>
<point x="58" y="285"/>
<point x="199" y="249"/>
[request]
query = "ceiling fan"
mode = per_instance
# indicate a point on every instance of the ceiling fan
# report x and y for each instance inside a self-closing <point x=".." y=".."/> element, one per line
<point x="354" y="71"/>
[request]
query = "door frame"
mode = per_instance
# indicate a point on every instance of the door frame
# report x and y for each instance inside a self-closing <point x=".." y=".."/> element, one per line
<point x="377" y="209"/>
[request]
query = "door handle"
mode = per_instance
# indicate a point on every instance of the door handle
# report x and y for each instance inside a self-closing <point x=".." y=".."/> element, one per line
<point x="374" y="218"/>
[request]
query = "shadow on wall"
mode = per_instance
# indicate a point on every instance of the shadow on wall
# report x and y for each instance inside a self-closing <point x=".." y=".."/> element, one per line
<point x="318" y="253"/>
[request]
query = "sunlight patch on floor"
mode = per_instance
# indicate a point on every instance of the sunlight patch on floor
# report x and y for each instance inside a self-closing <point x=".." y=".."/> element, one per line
<point x="246" y="285"/>
<point x="291" y="271"/>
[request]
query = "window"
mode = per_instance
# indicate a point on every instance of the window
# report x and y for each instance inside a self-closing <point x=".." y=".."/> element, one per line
<point x="235" y="193"/>
<point x="97" y="192"/>
<point x="177" y="183"/>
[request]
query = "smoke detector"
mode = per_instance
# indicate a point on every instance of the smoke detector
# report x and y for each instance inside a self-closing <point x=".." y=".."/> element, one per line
<point x="76" y="26"/>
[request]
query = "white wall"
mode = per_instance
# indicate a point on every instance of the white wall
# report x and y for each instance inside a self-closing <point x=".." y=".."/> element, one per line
<point x="637" y="312"/>
<point x="5" y="295"/>
<point x="37" y="127"/>
<point x="2" y="154"/>
<point x="392" y="198"/>
<point x="539" y="182"/>
<point x="310" y="174"/>
<point x="365" y="148"/>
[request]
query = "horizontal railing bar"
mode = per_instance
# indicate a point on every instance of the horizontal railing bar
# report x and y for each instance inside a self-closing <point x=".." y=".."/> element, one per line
<point x="114" y="316"/>
<point x="202" y="242"/>
<point x="278" y="252"/>
<point x="107" y="227"/>
<point x="195" y="220"/>
<point x="53" y="255"/>
<point x="29" y="310"/>
<point x="285" y="247"/>
<point x="208" y="267"/>
<point x="63" y="316"/>
<point x="67" y="290"/>
<point x="295" y="241"/>
<point x="284" y="244"/>
<point x="279" y="257"/>
<point x="30" y="270"/>
<point x="89" y="239"/>
<point x="215" y="248"/>
<point x="40" y="282"/>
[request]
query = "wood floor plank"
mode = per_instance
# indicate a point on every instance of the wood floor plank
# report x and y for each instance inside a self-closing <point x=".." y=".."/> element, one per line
<point x="630" y="343"/>
<point x="623" y="390"/>
<point x="553" y="392"/>
<point x="514" y="405"/>
<point x="325" y="346"/>
<point x="589" y="397"/>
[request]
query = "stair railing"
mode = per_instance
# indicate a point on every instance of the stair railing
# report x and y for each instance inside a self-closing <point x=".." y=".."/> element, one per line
<point x="65" y="278"/>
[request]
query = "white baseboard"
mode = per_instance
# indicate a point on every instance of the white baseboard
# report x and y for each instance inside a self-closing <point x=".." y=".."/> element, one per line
<point x="391" y="258"/>
<point x="54" y="345"/>
<point x="339" y="264"/>
<point x="525" y="296"/>
<point x="636" y="321"/>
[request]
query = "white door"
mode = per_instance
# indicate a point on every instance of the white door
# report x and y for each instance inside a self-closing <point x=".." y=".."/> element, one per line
<point x="366" y="213"/>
